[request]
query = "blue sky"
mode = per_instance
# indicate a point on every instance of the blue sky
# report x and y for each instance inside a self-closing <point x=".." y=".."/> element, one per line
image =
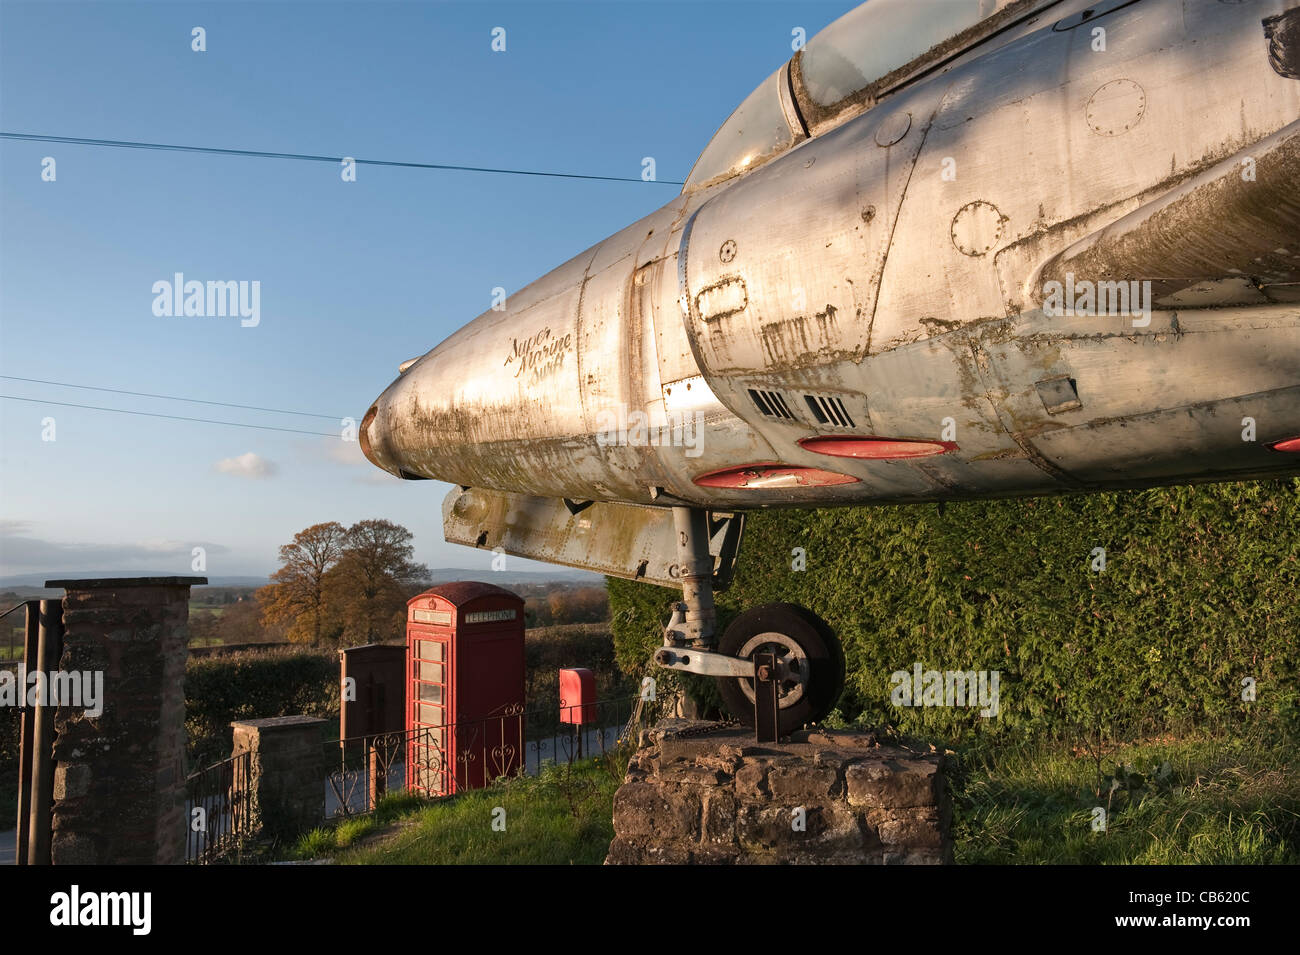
<point x="354" y="277"/>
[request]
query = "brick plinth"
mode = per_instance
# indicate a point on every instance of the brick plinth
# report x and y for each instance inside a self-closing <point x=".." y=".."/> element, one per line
<point x="287" y="770"/>
<point x="826" y="796"/>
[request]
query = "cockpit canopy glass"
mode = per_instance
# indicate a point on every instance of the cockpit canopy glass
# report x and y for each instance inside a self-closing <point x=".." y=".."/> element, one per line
<point x="756" y="131"/>
<point x="877" y="38"/>
<point x="868" y="42"/>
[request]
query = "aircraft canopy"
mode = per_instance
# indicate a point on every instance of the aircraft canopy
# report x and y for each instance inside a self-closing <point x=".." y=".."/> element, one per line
<point x="867" y="43"/>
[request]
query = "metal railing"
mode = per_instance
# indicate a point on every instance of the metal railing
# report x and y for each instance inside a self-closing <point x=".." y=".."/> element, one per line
<point x="219" y="808"/>
<point x="443" y="760"/>
<point x="433" y="761"/>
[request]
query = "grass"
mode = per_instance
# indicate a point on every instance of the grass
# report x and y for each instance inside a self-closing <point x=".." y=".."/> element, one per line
<point x="1189" y="800"/>
<point x="329" y="840"/>
<point x="1227" y="798"/>
<point x="558" y="818"/>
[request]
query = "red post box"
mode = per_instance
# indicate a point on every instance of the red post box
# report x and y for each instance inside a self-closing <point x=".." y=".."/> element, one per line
<point x="465" y="686"/>
<point x="577" y="696"/>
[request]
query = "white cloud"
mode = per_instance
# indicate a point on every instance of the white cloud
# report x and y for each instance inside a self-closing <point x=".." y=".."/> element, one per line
<point x="247" y="465"/>
<point x="346" y="452"/>
<point x="378" y="477"/>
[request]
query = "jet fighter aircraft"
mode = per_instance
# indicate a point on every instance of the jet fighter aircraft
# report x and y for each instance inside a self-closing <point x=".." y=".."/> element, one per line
<point x="950" y="250"/>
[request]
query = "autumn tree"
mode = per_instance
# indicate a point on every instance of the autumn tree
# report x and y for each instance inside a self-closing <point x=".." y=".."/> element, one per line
<point x="297" y="597"/>
<point x="588" y="605"/>
<point x="557" y="601"/>
<point x="369" y="585"/>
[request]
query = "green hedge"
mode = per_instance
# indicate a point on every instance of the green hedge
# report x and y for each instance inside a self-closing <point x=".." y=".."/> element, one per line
<point x="284" y="681"/>
<point x="549" y="649"/>
<point x="254" y="685"/>
<point x="1198" y="592"/>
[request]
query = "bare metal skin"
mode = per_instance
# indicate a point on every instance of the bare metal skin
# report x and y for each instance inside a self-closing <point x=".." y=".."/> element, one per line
<point x="888" y="272"/>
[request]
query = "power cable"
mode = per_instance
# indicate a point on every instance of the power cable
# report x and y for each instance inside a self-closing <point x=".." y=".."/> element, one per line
<point x="306" y="157"/>
<point x="154" y="414"/>
<point x="146" y="394"/>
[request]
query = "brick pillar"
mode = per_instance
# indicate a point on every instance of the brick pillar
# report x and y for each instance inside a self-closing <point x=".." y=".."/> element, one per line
<point x="119" y="782"/>
<point x="287" y="773"/>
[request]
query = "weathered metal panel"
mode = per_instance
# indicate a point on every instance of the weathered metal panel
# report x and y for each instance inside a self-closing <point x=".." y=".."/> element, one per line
<point x="894" y="267"/>
<point x="1241" y="218"/>
<point x="622" y="540"/>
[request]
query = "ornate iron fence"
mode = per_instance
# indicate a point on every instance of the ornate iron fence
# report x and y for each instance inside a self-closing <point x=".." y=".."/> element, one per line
<point x="437" y="761"/>
<point x="433" y="761"/>
<point x="219" y="808"/>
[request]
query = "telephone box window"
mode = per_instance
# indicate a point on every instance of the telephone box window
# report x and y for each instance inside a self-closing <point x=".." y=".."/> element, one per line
<point x="431" y="672"/>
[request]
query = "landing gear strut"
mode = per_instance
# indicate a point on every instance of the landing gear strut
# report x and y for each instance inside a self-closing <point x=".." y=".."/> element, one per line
<point x="806" y="656"/>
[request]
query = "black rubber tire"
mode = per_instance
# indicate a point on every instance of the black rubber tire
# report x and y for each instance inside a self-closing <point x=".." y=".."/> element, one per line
<point x="818" y="643"/>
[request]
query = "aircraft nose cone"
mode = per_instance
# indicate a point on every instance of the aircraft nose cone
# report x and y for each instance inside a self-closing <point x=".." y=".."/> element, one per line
<point x="364" y="439"/>
<point x="384" y="440"/>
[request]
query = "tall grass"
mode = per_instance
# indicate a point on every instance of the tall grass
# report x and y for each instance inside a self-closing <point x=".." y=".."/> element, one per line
<point x="1203" y="799"/>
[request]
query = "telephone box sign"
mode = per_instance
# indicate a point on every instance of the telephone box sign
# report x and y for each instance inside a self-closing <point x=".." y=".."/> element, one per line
<point x="464" y="686"/>
<point x="490" y="616"/>
<point x="432" y="616"/>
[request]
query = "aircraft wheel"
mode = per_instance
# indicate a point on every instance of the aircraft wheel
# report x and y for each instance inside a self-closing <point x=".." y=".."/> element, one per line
<point x="805" y="642"/>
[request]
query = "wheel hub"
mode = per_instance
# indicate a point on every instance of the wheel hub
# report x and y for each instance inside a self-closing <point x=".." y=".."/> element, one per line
<point x="788" y="652"/>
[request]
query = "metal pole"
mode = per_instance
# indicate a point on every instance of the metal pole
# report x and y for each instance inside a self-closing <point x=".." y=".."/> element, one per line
<point x="48" y="655"/>
<point x="31" y="644"/>
<point x="378" y="777"/>
<point x="767" y="703"/>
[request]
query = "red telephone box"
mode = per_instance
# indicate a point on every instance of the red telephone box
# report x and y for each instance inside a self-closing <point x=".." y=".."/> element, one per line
<point x="464" y="686"/>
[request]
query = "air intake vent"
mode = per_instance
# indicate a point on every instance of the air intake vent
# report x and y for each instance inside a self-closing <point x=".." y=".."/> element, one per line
<point x="771" y="403"/>
<point x="829" y="411"/>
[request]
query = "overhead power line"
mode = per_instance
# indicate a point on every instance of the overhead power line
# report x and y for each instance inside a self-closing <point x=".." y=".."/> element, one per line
<point x="306" y="157"/>
<point x="146" y="394"/>
<point x="172" y="417"/>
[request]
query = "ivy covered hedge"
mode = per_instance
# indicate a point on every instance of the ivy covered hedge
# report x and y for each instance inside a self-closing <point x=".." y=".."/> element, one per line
<point x="1198" y="594"/>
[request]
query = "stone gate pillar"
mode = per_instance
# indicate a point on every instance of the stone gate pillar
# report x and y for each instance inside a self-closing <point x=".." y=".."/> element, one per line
<point x="119" y="782"/>
<point x="287" y="773"/>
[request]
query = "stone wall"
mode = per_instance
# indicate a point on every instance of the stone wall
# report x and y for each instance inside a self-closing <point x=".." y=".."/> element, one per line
<point x="825" y="796"/>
